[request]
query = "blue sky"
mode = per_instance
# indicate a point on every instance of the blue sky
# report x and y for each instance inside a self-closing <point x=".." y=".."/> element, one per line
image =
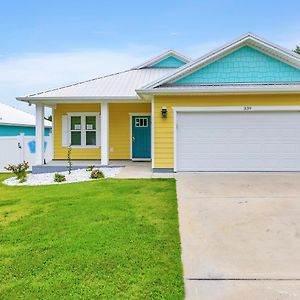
<point x="45" y="44"/>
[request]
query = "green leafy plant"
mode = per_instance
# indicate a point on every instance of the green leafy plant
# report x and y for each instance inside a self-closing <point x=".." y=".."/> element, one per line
<point x="19" y="170"/>
<point x="59" y="177"/>
<point x="97" y="174"/>
<point x="69" y="159"/>
<point x="297" y="50"/>
<point x="90" y="168"/>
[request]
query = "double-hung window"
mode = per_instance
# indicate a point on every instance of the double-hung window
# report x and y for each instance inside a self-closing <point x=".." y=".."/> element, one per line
<point x="84" y="130"/>
<point x="90" y="130"/>
<point x="76" y="130"/>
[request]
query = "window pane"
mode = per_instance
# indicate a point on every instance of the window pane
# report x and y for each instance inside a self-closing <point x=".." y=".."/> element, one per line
<point x="75" y="123"/>
<point x="90" y="122"/>
<point x="76" y="138"/>
<point x="91" y="138"/>
<point x="141" y="122"/>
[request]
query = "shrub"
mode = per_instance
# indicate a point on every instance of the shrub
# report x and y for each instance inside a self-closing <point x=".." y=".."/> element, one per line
<point x="59" y="177"/>
<point x="19" y="170"/>
<point x="90" y="168"/>
<point x="97" y="174"/>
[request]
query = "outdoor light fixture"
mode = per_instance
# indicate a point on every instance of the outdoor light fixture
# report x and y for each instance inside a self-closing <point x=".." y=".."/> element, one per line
<point x="164" y="112"/>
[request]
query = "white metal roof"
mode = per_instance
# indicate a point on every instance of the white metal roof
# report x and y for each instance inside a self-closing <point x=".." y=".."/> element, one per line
<point x="116" y="86"/>
<point x="13" y="116"/>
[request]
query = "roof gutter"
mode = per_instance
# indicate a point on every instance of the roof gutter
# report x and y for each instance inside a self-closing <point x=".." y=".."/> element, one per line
<point x="55" y="100"/>
<point x="195" y="91"/>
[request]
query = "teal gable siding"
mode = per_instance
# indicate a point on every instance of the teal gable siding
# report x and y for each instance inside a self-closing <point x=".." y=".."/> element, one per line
<point x="10" y="130"/>
<point x="245" y="65"/>
<point x="170" y="62"/>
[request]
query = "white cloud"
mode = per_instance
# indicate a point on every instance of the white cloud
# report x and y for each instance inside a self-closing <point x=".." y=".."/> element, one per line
<point x="31" y="73"/>
<point x="35" y="72"/>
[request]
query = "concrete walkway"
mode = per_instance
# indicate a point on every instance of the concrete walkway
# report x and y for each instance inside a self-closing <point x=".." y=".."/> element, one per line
<point x="240" y="235"/>
<point x="140" y="170"/>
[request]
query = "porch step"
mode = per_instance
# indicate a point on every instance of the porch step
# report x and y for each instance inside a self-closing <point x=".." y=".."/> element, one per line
<point x="62" y="168"/>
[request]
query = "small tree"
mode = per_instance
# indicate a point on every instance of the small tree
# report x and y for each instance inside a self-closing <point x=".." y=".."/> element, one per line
<point x="69" y="159"/>
<point x="297" y="50"/>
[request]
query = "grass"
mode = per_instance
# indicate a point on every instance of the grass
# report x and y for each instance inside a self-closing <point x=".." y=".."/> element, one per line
<point x="109" y="239"/>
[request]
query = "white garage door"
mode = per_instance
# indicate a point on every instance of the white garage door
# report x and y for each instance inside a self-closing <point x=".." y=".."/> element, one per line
<point x="238" y="141"/>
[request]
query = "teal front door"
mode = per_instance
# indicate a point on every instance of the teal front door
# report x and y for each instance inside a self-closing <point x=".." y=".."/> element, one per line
<point x="141" y="137"/>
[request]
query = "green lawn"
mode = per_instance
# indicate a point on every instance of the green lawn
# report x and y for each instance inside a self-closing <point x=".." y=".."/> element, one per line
<point x="109" y="239"/>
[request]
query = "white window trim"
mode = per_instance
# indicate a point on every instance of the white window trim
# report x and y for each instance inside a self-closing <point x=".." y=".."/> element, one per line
<point x="83" y="130"/>
<point x="152" y="132"/>
<point x="143" y="125"/>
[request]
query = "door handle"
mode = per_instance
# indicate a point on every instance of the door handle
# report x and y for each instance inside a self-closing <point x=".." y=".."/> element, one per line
<point x="133" y="138"/>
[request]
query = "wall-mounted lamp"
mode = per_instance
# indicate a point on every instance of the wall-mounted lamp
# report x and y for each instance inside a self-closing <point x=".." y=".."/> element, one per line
<point x="164" y="112"/>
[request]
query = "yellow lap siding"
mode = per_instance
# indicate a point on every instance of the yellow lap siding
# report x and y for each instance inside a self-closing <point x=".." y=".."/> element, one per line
<point x="119" y="129"/>
<point x="163" y="131"/>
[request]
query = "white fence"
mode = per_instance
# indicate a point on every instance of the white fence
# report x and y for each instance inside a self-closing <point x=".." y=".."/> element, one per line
<point x="16" y="149"/>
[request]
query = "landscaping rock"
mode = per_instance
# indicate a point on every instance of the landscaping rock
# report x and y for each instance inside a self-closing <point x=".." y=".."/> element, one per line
<point x="48" y="178"/>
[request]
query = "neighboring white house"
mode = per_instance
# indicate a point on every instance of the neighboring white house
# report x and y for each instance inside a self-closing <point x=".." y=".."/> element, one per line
<point x="17" y="137"/>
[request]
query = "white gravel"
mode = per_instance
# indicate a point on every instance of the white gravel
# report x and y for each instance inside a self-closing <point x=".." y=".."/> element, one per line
<point x="48" y="178"/>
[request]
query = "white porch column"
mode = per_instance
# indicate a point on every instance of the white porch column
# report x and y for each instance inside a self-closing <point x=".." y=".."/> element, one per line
<point x="104" y="133"/>
<point x="39" y="134"/>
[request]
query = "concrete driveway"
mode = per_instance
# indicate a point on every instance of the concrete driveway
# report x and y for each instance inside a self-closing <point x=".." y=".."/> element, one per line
<point x="240" y="235"/>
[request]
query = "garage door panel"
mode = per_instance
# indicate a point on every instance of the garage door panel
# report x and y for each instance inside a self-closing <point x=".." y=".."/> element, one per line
<point x="256" y="141"/>
<point x="240" y="148"/>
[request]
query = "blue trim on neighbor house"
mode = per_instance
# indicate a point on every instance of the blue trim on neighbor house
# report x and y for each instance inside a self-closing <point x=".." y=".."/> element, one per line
<point x="245" y="65"/>
<point x="11" y="130"/>
<point x="169" y="62"/>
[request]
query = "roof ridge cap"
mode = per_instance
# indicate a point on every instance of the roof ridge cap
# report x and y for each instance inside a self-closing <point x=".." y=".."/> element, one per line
<point x="162" y="56"/>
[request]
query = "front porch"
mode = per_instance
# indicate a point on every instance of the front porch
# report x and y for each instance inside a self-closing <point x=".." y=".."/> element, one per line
<point x="101" y="134"/>
<point x="130" y="169"/>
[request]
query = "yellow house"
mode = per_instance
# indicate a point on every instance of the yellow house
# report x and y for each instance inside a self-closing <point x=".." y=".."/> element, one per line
<point x="233" y="109"/>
